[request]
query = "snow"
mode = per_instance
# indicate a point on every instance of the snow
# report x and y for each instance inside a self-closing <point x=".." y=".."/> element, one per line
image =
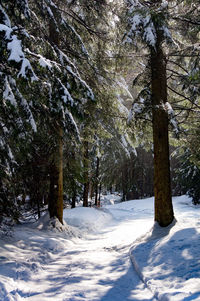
<point x="8" y="93"/>
<point x="150" y="35"/>
<point x="125" y="144"/>
<point x="26" y="10"/>
<point x="166" y="33"/>
<point x="44" y="62"/>
<point x="141" y="24"/>
<point x="164" y="4"/>
<point x="170" y="262"/>
<point x="73" y="122"/>
<point x="67" y="96"/>
<point x="50" y="13"/>
<point x="6" y="18"/>
<point x="90" y="93"/>
<point x="90" y="220"/>
<point x="110" y="199"/>
<point x="138" y="21"/>
<point x="28" y="110"/>
<point x="102" y="255"/>
<point x="84" y="50"/>
<point x="25" y="67"/>
<point x="7" y="30"/>
<point x="122" y="83"/>
<point x="137" y="108"/>
<point x="16" y="53"/>
<point x="122" y="108"/>
<point x="168" y="108"/>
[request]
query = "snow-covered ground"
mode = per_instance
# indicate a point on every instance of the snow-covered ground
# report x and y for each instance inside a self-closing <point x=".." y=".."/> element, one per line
<point x="103" y="254"/>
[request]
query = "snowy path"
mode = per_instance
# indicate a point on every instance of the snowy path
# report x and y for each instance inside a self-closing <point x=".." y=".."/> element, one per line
<point x="90" y="260"/>
<point x="41" y="266"/>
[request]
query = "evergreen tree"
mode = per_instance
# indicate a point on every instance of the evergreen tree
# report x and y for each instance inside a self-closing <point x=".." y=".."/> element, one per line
<point x="149" y="21"/>
<point x="40" y="79"/>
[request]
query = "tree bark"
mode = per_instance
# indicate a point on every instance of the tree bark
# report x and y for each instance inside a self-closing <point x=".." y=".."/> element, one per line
<point x="56" y="181"/>
<point x="162" y="185"/>
<point x="56" y="170"/>
<point x="99" y="199"/>
<point x="85" y="194"/>
<point x="86" y="174"/>
<point x="97" y="182"/>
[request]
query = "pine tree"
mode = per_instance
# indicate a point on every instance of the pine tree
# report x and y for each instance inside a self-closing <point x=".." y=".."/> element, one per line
<point x="57" y="88"/>
<point x="149" y="21"/>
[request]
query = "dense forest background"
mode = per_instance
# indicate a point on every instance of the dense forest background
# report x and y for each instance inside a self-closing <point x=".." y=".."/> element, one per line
<point x="87" y="89"/>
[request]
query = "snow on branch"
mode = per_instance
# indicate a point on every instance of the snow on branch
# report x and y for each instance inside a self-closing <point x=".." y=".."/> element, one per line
<point x="8" y="93"/>
<point x="172" y="120"/>
<point x="12" y="94"/>
<point x="15" y="48"/>
<point x="66" y="97"/>
<point x="25" y="68"/>
<point x="83" y="48"/>
<point x="72" y="122"/>
<point x="142" y="23"/>
<point x="17" y="55"/>
<point x="7" y="31"/>
<point x="90" y="93"/>
<point x="6" y="18"/>
<point x="28" y="111"/>
<point x="24" y="7"/>
<point x="44" y="62"/>
<point x="141" y="105"/>
<point x="122" y="108"/>
<point x="126" y="145"/>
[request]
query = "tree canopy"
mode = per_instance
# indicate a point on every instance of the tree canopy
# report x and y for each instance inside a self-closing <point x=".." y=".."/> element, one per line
<point x="89" y="92"/>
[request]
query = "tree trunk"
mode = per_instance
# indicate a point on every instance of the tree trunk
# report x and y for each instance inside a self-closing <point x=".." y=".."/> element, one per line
<point x="99" y="200"/>
<point x="38" y="200"/>
<point x="74" y="199"/>
<point x="86" y="174"/>
<point x="85" y="194"/>
<point x="56" y="181"/>
<point x="162" y="186"/>
<point x="97" y="182"/>
<point x="56" y="169"/>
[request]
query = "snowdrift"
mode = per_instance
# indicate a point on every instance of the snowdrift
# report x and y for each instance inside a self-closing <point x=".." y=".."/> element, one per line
<point x="168" y="259"/>
<point x="87" y="219"/>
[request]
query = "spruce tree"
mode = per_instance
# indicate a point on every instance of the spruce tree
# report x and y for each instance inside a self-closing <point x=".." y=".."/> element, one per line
<point x="149" y="21"/>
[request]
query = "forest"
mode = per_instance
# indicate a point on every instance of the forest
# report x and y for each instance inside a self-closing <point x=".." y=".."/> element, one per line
<point x="99" y="150"/>
<point x="98" y="96"/>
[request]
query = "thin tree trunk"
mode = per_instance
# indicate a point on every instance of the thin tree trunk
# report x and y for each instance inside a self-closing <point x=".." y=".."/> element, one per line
<point x="99" y="199"/>
<point x="91" y="189"/>
<point x="162" y="186"/>
<point x="74" y="199"/>
<point x="86" y="174"/>
<point x="56" y="181"/>
<point x="97" y="182"/>
<point x="38" y="206"/>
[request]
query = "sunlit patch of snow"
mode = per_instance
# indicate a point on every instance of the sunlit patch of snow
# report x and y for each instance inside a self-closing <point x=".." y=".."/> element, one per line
<point x="87" y="258"/>
<point x="170" y="262"/>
